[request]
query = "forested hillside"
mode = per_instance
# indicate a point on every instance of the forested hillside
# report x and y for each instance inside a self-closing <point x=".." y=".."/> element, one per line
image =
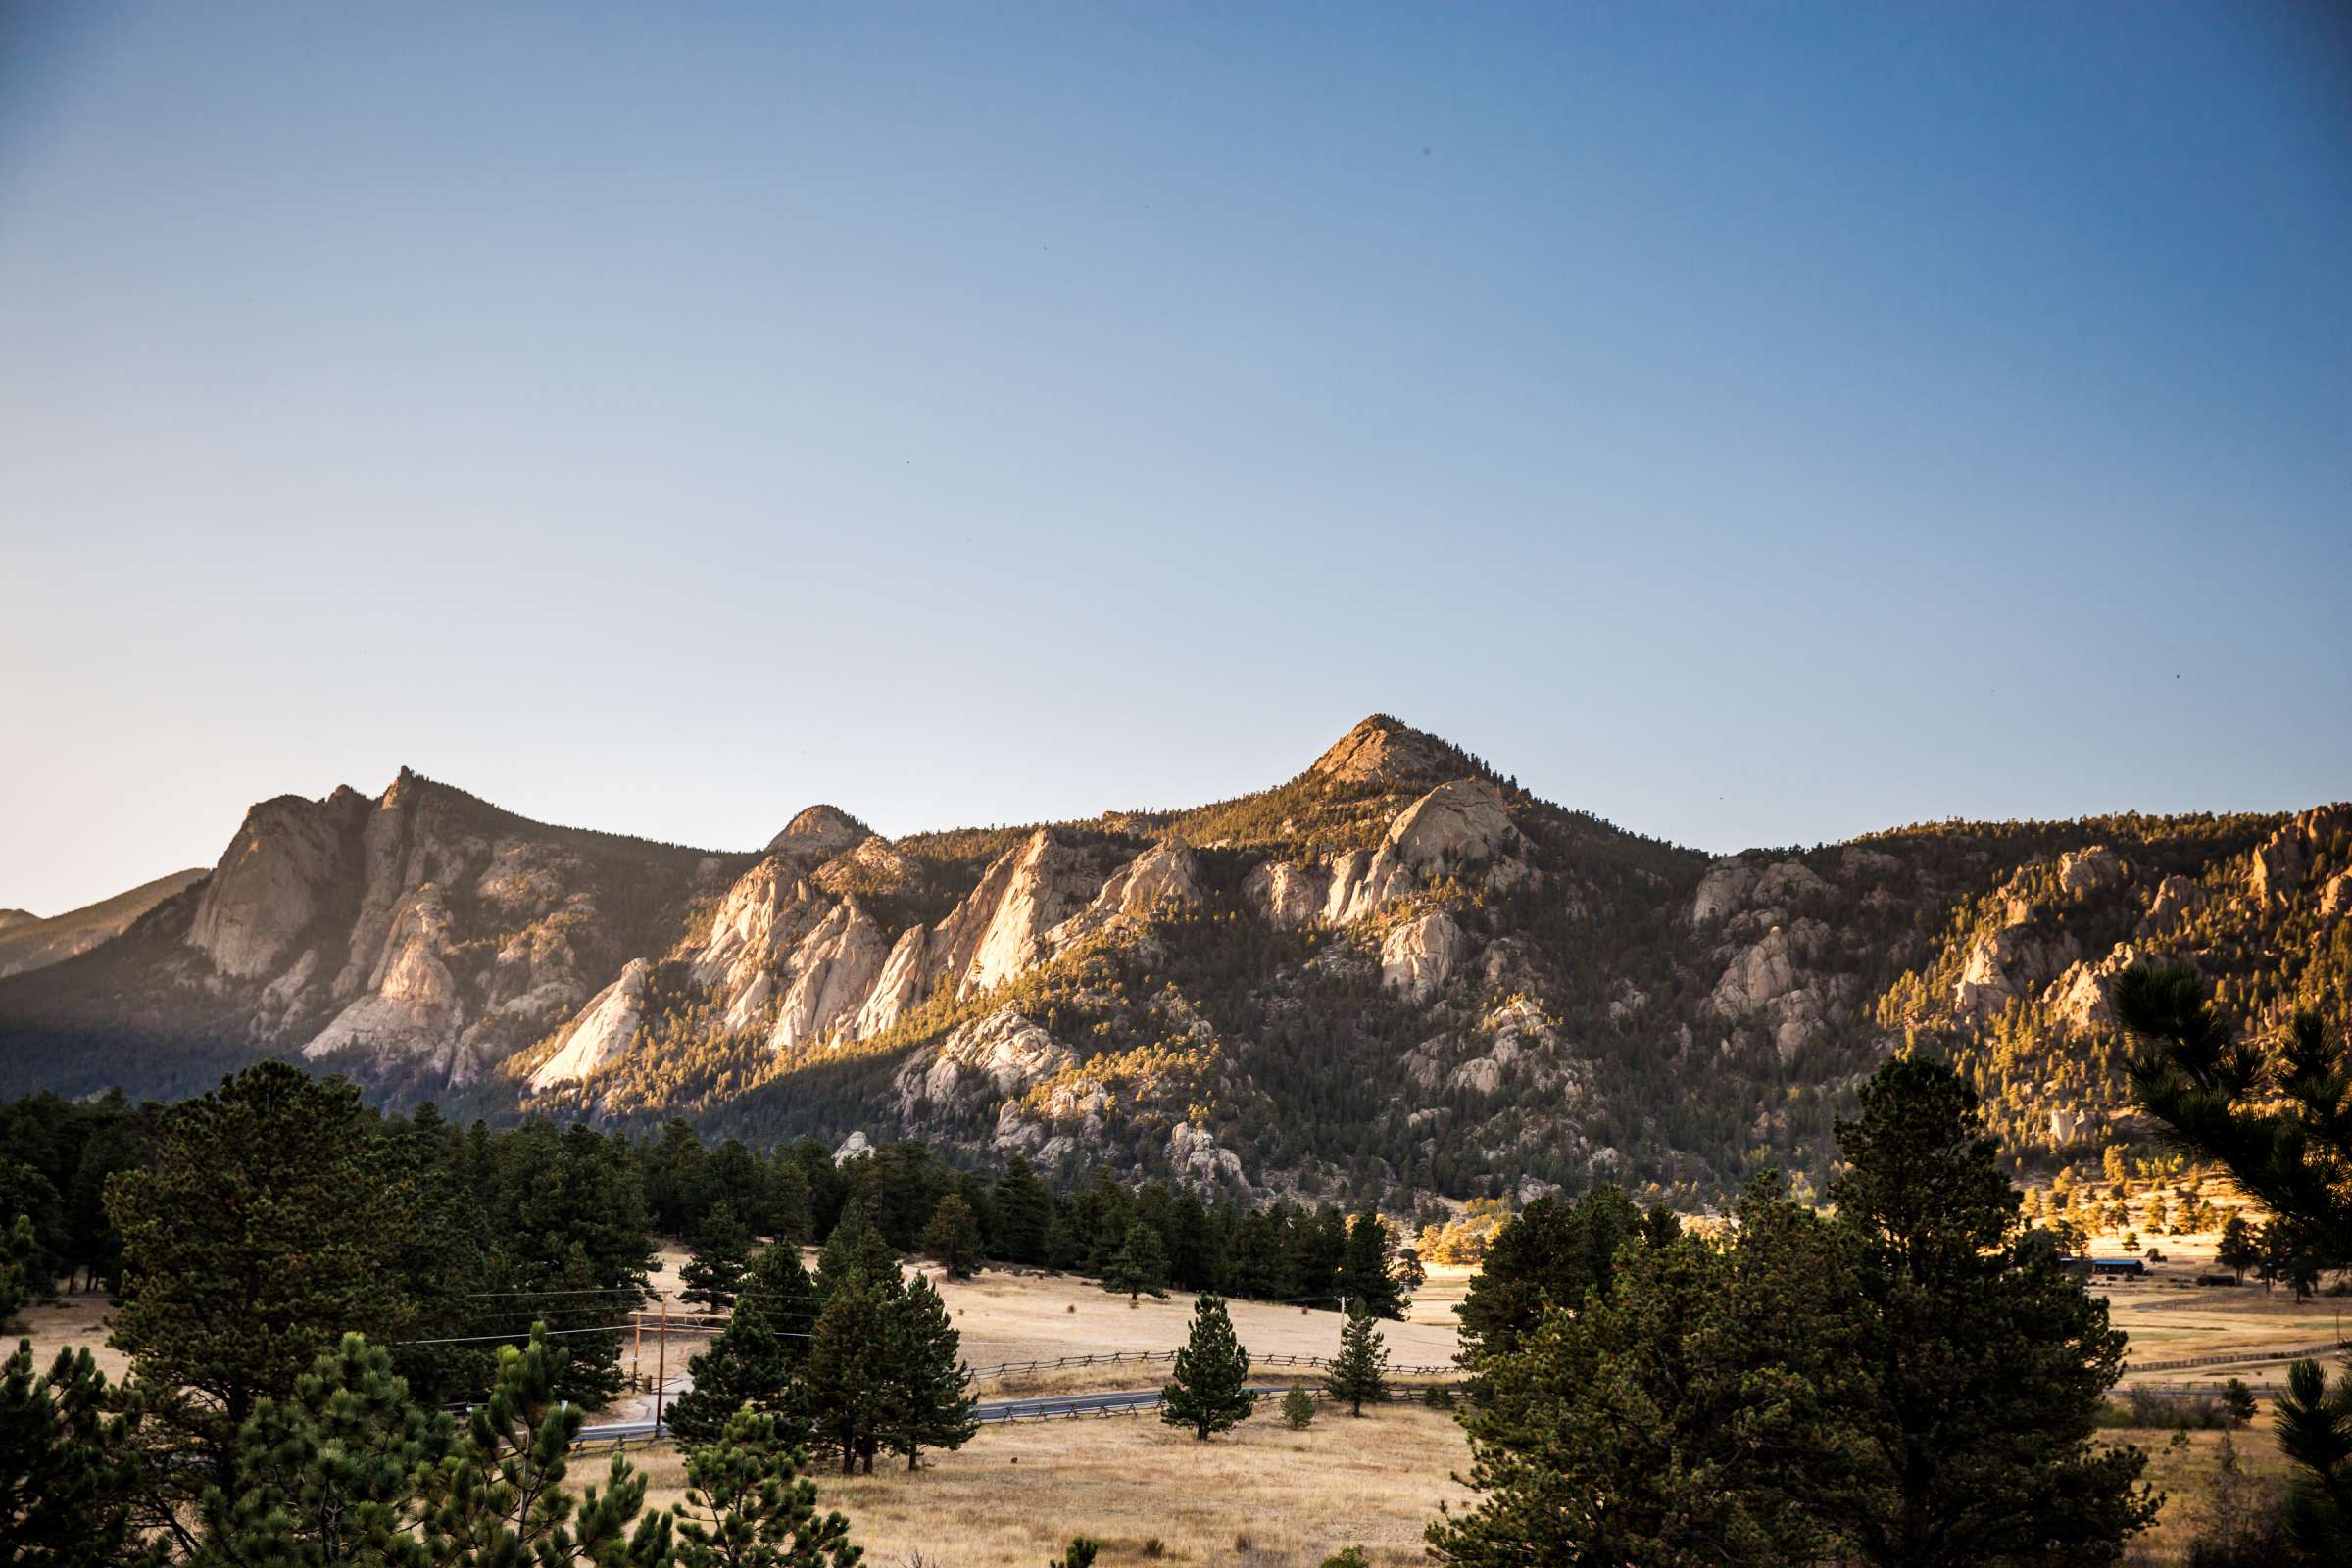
<point x="1398" y="975"/>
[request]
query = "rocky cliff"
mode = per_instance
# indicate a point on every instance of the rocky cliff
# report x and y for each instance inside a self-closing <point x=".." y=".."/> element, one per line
<point x="1396" y="971"/>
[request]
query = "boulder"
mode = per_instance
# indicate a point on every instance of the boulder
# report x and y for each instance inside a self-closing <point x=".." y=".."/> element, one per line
<point x="1767" y="969"/>
<point x="2176" y="898"/>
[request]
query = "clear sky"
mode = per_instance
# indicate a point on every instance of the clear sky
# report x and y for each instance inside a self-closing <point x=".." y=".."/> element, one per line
<point x="1753" y="423"/>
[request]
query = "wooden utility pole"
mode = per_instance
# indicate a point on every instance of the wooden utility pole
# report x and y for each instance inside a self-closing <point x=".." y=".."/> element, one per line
<point x="662" y="1365"/>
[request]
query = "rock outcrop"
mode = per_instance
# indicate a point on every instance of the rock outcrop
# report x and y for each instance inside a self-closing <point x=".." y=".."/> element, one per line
<point x="602" y="1032"/>
<point x="1166" y="875"/>
<point x="1421" y="954"/>
<point x="832" y="970"/>
<point x="993" y="1059"/>
<point x="996" y="932"/>
<point x="1459" y="826"/>
<point x="277" y="876"/>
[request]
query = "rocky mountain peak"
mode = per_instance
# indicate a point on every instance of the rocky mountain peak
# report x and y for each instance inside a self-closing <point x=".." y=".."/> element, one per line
<point x="824" y="830"/>
<point x="1387" y="751"/>
<point x="9" y="917"/>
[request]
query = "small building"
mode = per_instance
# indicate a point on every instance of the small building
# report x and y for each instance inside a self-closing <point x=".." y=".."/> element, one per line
<point x="2119" y="1267"/>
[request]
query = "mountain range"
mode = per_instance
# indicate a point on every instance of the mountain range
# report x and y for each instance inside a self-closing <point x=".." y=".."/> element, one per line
<point x="1398" y="974"/>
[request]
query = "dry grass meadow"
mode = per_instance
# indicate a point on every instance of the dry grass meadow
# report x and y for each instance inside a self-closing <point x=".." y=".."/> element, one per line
<point x="1267" y="1496"/>
<point x="1260" y="1496"/>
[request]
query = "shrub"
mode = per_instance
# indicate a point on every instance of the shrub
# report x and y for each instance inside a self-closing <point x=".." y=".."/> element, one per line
<point x="1297" y="1407"/>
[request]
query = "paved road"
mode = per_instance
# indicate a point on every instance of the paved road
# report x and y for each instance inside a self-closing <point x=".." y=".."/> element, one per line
<point x="988" y="1411"/>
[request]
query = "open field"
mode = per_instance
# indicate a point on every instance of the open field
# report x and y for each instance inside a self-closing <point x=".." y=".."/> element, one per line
<point x="80" y="1319"/>
<point x="1018" y="1492"/>
<point x="1016" y="1495"/>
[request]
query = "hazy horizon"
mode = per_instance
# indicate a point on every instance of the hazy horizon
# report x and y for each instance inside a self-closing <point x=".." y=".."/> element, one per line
<point x="1752" y="427"/>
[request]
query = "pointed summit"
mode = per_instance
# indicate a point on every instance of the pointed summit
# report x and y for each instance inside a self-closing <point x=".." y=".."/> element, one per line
<point x="1387" y="751"/>
<point x="821" y="832"/>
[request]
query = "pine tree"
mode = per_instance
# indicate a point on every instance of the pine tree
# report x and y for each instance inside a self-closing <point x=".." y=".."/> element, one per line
<point x="1364" y="1278"/>
<point x="68" y="1467"/>
<point x="844" y="1382"/>
<point x="2315" y="1433"/>
<point x="756" y="1358"/>
<point x="953" y="1238"/>
<point x="1549" y="1255"/>
<point x="500" y="1497"/>
<point x="749" y="1364"/>
<point x="1690" y="1413"/>
<point x="260" y="1235"/>
<point x="1360" y="1371"/>
<point x="1297" y="1407"/>
<point x="788" y="1201"/>
<point x="330" y="1474"/>
<point x="856" y="1245"/>
<point x="747" y="1507"/>
<point x="929" y="1398"/>
<point x="1990" y="1362"/>
<point x="722" y="1256"/>
<point x="1208" y="1390"/>
<point x="1023" y="1212"/>
<point x="1139" y="1267"/>
<point x="2238" y="1251"/>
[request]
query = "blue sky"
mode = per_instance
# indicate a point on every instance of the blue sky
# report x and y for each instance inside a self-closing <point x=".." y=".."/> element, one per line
<point x="1753" y="423"/>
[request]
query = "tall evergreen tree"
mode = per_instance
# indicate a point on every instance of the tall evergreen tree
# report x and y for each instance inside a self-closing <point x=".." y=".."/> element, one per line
<point x="954" y="1237"/>
<point x="1990" y="1362"/>
<point x="789" y="1218"/>
<point x="929" y="1401"/>
<point x="1209" y="1389"/>
<point x="845" y="1384"/>
<point x="1139" y="1267"/>
<point x="1547" y="1255"/>
<point x="756" y="1358"/>
<point x="721" y="1257"/>
<point x="855" y="1245"/>
<point x="2276" y="1122"/>
<point x="2238" y="1251"/>
<point x="1360" y="1371"/>
<point x="1692" y="1413"/>
<point x="1364" y="1277"/>
<point x="748" y="1365"/>
<point x="262" y="1233"/>
<point x="1024" y="1211"/>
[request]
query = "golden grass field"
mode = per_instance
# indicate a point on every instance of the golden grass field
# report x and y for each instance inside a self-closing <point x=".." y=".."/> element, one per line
<point x="1016" y="1494"/>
